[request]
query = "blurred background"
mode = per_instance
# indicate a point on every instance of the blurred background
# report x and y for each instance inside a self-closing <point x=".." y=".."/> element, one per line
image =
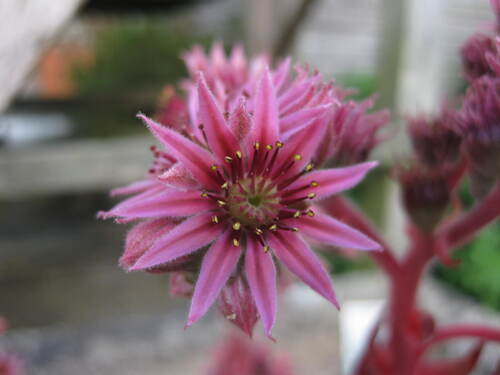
<point x="74" y="73"/>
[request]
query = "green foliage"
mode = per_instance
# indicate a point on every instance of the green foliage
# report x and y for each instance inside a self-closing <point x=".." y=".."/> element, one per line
<point x="478" y="274"/>
<point x="134" y="56"/>
<point x="365" y="84"/>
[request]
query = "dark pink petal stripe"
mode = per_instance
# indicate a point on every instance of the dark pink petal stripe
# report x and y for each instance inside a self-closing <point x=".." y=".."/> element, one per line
<point x="185" y="238"/>
<point x="324" y="228"/>
<point x="218" y="264"/>
<point x="298" y="257"/>
<point x="196" y="159"/>
<point x="261" y="276"/>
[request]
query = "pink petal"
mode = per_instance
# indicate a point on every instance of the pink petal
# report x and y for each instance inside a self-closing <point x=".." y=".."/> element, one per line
<point x="173" y="203"/>
<point x="237" y="305"/>
<point x="220" y="138"/>
<point x="261" y="276"/>
<point x="185" y="238"/>
<point x="178" y="177"/>
<point x="197" y="160"/>
<point x="281" y="73"/>
<point x="324" y="228"/>
<point x="240" y="121"/>
<point x="299" y="119"/>
<point x="329" y="181"/>
<point x="218" y="264"/>
<point x="298" y="257"/>
<point x="134" y="188"/>
<point x="266" y="120"/>
<point x="141" y="237"/>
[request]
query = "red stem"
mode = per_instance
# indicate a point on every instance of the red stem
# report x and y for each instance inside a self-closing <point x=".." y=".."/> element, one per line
<point x="460" y="331"/>
<point x="464" y="227"/>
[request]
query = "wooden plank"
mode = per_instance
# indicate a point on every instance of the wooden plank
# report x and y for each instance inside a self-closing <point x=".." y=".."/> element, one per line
<point x="72" y="166"/>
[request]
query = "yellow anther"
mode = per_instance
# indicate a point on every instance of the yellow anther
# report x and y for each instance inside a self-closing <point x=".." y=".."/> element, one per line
<point x="231" y="316"/>
<point x="258" y="232"/>
<point x="309" y="167"/>
<point x="221" y="203"/>
<point x="295" y="229"/>
<point x="215" y="220"/>
<point x="204" y="194"/>
<point x="237" y="226"/>
<point x="279" y="144"/>
<point x="236" y="243"/>
<point x="297" y="157"/>
<point x="314" y="184"/>
<point x="238" y="154"/>
<point x="311" y="195"/>
<point x="310" y="213"/>
<point x="296" y="214"/>
<point x="229" y="159"/>
<point x="269" y="147"/>
<point x="266" y="248"/>
<point x="213" y="167"/>
<point x="225" y="185"/>
<point x="273" y="227"/>
<point x="256" y="146"/>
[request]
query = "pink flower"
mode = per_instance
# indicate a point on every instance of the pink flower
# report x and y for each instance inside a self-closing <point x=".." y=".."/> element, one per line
<point x="9" y="363"/>
<point x="241" y="356"/>
<point x="239" y="198"/>
<point x="474" y="56"/>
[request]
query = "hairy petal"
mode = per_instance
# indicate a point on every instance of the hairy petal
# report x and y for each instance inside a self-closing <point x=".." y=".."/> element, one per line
<point x="220" y="138"/>
<point x="298" y="257"/>
<point x="326" y="182"/>
<point x="185" y="238"/>
<point x="261" y="276"/>
<point x="141" y="237"/>
<point x="173" y="203"/>
<point x="196" y="159"/>
<point x="218" y="264"/>
<point x="266" y="120"/>
<point x="324" y="228"/>
<point x="298" y="120"/>
<point x="134" y="188"/>
<point x="179" y="177"/>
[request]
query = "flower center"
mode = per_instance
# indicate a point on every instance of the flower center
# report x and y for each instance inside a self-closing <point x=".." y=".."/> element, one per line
<point x="254" y="201"/>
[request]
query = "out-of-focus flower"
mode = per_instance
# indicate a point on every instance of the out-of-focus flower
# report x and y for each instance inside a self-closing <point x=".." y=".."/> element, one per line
<point x="474" y="56"/>
<point x="480" y="129"/>
<point x="172" y="109"/>
<point x="245" y="188"/>
<point x="425" y="194"/>
<point x="238" y="355"/>
<point x="352" y="133"/>
<point x="435" y="141"/>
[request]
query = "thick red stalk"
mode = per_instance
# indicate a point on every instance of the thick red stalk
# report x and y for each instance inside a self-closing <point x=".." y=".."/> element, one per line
<point x="465" y="226"/>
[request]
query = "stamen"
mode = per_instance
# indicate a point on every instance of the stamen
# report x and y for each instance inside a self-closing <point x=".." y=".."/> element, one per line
<point x="236" y="242"/>
<point x="215" y="219"/>
<point x="309" y="167"/>
<point x="221" y="203"/>
<point x="269" y="147"/>
<point x="296" y="214"/>
<point x="225" y="185"/>
<point x="297" y="157"/>
<point x="238" y="154"/>
<point x="202" y="128"/>
<point x="311" y="195"/>
<point x="237" y="226"/>
<point x="213" y="167"/>
<point x="273" y="228"/>
<point x="279" y="144"/>
<point x="204" y="194"/>
<point x="310" y="213"/>
<point x="314" y="184"/>
<point x="266" y="248"/>
<point x="256" y="146"/>
<point x="228" y="159"/>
